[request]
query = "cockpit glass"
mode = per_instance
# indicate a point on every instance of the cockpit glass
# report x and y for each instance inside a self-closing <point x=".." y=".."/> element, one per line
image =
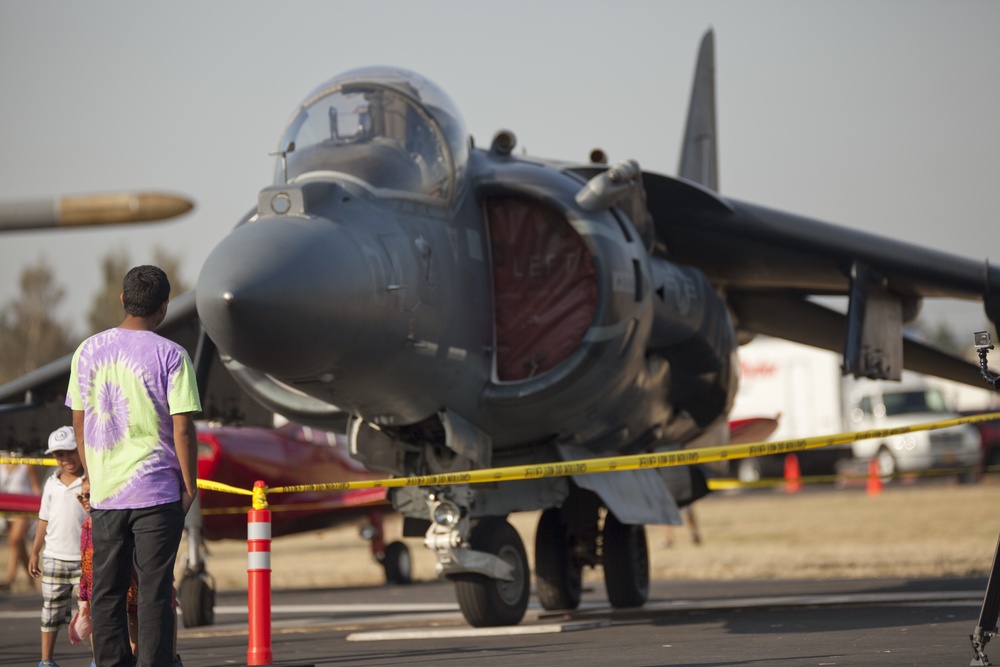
<point x="377" y="126"/>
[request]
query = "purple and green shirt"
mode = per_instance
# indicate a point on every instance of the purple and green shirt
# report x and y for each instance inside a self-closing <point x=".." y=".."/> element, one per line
<point x="128" y="383"/>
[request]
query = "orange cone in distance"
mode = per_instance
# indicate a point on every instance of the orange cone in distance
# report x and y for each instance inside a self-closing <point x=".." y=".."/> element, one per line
<point x="792" y="483"/>
<point x="874" y="486"/>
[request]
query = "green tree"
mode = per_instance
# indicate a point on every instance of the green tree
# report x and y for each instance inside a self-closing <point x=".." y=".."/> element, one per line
<point x="106" y="306"/>
<point x="30" y="337"/>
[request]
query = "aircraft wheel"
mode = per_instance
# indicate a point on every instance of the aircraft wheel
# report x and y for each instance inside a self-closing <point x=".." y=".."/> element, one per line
<point x="397" y="563"/>
<point x="626" y="563"/>
<point x="197" y="600"/>
<point x="886" y="463"/>
<point x="489" y="602"/>
<point x="558" y="578"/>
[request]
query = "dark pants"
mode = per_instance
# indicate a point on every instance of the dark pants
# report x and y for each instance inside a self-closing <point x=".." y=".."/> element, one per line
<point x="146" y="539"/>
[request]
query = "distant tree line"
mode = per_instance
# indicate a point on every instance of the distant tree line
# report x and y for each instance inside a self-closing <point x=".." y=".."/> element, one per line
<point x="30" y="334"/>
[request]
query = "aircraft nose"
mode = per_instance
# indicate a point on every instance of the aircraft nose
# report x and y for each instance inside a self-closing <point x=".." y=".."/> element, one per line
<point x="276" y="294"/>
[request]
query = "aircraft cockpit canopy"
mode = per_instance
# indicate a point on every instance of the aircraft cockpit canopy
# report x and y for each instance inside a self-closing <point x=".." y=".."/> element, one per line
<point x="388" y="127"/>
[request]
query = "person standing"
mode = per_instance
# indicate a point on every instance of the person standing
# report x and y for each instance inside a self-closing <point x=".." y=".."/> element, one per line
<point x="60" y="520"/>
<point x="21" y="479"/>
<point x="134" y="396"/>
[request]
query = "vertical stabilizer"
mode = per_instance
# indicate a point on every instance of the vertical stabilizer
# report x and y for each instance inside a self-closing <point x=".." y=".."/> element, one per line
<point x="699" y="162"/>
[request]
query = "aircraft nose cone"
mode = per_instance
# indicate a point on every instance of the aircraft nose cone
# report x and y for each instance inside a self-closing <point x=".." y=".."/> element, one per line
<point x="276" y="294"/>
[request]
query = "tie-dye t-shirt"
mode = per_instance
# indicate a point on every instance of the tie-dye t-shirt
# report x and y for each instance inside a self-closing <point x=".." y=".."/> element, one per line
<point x="128" y="383"/>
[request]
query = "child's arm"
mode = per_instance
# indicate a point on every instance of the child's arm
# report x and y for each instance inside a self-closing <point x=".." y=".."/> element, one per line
<point x="36" y="549"/>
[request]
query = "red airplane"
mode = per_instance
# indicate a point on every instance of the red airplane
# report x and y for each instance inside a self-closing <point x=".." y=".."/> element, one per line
<point x="290" y="455"/>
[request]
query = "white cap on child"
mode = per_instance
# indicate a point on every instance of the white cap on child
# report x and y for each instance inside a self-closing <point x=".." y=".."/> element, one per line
<point x="62" y="439"/>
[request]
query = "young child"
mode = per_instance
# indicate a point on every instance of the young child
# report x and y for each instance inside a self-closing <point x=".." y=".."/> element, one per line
<point x="60" y="519"/>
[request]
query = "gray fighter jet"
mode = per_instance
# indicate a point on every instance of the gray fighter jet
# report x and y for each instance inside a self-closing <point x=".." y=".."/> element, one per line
<point x="456" y="307"/>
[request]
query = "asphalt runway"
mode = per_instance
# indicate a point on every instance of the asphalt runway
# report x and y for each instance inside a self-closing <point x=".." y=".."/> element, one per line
<point x="787" y="622"/>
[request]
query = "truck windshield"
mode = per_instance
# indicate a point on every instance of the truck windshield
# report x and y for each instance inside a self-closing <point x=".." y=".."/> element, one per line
<point x="906" y="402"/>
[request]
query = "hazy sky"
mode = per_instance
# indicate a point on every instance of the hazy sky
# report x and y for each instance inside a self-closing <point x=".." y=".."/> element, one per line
<point x="883" y="116"/>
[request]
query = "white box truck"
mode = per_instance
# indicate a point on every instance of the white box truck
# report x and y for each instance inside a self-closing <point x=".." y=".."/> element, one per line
<point x="803" y="388"/>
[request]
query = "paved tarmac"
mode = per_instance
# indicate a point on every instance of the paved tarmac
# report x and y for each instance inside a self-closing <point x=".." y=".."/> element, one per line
<point x="788" y="622"/>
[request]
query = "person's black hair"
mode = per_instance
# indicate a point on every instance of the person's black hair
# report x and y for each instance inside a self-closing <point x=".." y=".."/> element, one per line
<point x="145" y="288"/>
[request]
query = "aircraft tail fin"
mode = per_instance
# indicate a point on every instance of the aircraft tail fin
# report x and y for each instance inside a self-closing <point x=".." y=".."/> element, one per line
<point x="699" y="162"/>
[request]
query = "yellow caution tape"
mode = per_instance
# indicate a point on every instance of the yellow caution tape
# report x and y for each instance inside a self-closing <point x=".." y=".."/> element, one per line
<point x="28" y="461"/>
<point x="590" y="466"/>
<point x="209" y="485"/>
<point x="635" y="461"/>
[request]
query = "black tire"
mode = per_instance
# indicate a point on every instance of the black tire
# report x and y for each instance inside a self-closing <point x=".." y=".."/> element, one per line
<point x="489" y="602"/>
<point x="626" y="563"/>
<point x="197" y="599"/>
<point x="558" y="579"/>
<point x="397" y="563"/>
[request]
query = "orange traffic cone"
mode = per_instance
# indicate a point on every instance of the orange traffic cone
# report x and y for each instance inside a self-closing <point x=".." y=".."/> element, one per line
<point x="792" y="483"/>
<point x="874" y="486"/>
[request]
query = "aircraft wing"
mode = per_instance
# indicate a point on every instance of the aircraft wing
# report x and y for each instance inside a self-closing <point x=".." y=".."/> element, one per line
<point x="768" y="262"/>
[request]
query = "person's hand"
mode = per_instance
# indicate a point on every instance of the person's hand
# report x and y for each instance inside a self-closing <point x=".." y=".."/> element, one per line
<point x="33" y="566"/>
<point x="186" y="501"/>
<point x="84" y="608"/>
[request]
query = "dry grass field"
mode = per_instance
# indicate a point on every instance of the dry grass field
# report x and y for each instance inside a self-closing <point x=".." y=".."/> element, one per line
<point x="928" y="530"/>
<point x="933" y="529"/>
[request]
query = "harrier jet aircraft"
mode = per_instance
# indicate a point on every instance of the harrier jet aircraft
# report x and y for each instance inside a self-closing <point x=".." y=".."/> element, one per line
<point x="455" y="307"/>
